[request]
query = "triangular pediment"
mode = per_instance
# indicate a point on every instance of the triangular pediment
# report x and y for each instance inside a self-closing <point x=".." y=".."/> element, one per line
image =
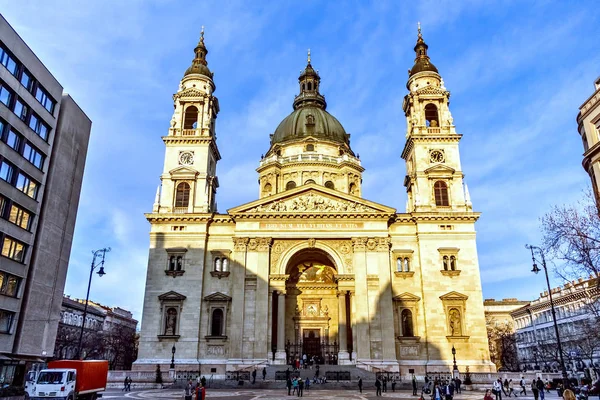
<point x="407" y="297"/>
<point x="439" y="169"/>
<point x="431" y="90"/>
<point x="183" y="172"/>
<point x="454" y="296"/>
<point x="217" y="296"/>
<point x="311" y="198"/>
<point x="191" y="92"/>
<point x="172" y="296"/>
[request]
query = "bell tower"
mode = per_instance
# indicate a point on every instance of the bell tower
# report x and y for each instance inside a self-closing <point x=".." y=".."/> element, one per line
<point x="434" y="179"/>
<point x="189" y="181"/>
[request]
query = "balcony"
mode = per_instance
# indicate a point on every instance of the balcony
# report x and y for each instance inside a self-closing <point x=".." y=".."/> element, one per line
<point x="434" y="130"/>
<point x="189" y="132"/>
<point x="310" y="158"/>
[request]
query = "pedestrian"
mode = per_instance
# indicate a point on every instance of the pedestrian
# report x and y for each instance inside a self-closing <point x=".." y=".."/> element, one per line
<point x="534" y="389"/>
<point x="307" y="383"/>
<point x="540" y="386"/>
<point x="505" y="388"/>
<point x="288" y="384"/>
<point x="287" y="374"/>
<point x="203" y="381"/>
<point x="128" y="384"/>
<point x="436" y="393"/>
<point x="254" y="376"/>
<point x="294" y="386"/>
<point x="304" y="359"/>
<point x="458" y="383"/>
<point x="548" y="386"/>
<point x="384" y="381"/>
<point x="510" y="389"/>
<point x="189" y="389"/>
<point x="497" y="389"/>
<point x="488" y="395"/>
<point x="125" y="384"/>
<point x="360" y="385"/>
<point x="317" y="371"/>
<point x="377" y="387"/>
<point x="264" y="372"/>
<point x="393" y="384"/>
<point x="300" y="387"/>
<point x="522" y="384"/>
<point x="414" y="385"/>
<point x="449" y="390"/>
<point x="200" y="393"/>
<point x="568" y="395"/>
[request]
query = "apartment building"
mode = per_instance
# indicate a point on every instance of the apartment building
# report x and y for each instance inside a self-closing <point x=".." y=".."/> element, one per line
<point x="44" y="137"/>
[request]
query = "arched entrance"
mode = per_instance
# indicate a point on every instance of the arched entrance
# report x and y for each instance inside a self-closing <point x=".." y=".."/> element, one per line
<point x="312" y="320"/>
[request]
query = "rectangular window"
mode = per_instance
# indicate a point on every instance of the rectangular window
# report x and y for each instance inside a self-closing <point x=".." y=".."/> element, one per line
<point x="9" y="284"/>
<point x="13" y="249"/>
<point x="3" y="204"/>
<point x="6" y="318"/>
<point x="20" y="109"/>
<point x="8" y="62"/>
<point x="6" y="171"/>
<point x="44" y="99"/>
<point x="36" y="124"/>
<point x="26" y="80"/>
<point x="13" y="139"/>
<point x="5" y="95"/>
<point x="19" y="216"/>
<point x="33" y="156"/>
<point x="26" y="185"/>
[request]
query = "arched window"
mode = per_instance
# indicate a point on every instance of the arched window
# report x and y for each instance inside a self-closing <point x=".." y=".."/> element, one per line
<point x="309" y="147"/>
<point x="172" y="263"/>
<point x="309" y="85"/>
<point x="309" y="181"/>
<point x="431" y="115"/>
<point x="290" y="185"/>
<point x="407" y="323"/>
<point x="352" y="189"/>
<point x="182" y="196"/>
<point x="171" y="322"/>
<point x="303" y="87"/>
<point x="406" y="264"/>
<point x="225" y="265"/>
<point x="453" y="263"/>
<point x="454" y="322"/>
<point x="267" y="189"/>
<point x="440" y="190"/>
<point x="218" y="264"/>
<point x="216" y="328"/>
<point x="179" y="263"/>
<point x="399" y="264"/>
<point x="446" y="263"/>
<point x="190" y="120"/>
<point x="329" y="185"/>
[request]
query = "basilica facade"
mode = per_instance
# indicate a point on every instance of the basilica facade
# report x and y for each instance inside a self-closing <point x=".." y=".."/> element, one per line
<point x="311" y="267"/>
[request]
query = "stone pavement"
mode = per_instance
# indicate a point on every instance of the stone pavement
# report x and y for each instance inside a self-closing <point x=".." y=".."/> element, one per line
<point x="269" y="394"/>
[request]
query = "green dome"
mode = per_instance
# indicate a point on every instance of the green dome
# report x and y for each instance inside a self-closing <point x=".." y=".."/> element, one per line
<point x="310" y="121"/>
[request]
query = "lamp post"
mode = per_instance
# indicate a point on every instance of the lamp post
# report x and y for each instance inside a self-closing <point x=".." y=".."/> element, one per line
<point x="535" y="270"/>
<point x="97" y="254"/>
<point x="455" y="367"/>
<point x="173" y="349"/>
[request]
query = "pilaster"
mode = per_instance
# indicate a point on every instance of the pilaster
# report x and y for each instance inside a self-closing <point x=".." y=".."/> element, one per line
<point x="238" y="276"/>
<point x="363" y="337"/>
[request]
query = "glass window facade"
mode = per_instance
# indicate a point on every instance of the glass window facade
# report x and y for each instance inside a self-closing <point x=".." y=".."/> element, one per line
<point x="13" y="249"/>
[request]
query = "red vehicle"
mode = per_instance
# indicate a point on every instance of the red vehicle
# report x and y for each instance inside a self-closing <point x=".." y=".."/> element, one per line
<point x="70" y="380"/>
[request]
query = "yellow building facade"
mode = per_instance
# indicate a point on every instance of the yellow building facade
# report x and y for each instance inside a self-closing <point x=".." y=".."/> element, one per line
<point x="311" y="267"/>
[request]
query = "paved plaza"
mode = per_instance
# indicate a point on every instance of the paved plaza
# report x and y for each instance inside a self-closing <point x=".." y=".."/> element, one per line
<point x="278" y="394"/>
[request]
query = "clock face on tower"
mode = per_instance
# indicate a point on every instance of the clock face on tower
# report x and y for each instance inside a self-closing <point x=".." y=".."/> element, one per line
<point x="436" y="156"/>
<point x="186" y="158"/>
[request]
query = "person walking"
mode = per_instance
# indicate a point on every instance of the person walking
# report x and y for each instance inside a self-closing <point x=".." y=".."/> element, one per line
<point x="497" y="389"/>
<point x="522" y="384"/>
<point x="125" y="384"/>
<point x="449" y="390"/>
<point x="307" y="384"/>
<point x="458" y="383"/>
<point x="436" y="393"/>
<point x="128" y="384"/>
<point x="393" y="384"/>
<point x="384" y="381"/>
<point x="294" y="386"/>
<point x="414" y="385"/>
<point x="254" y="376"/>
<point x="360" y="385"/>
<point x="189" y="389"/>
<point x="288" y="384"/>
<point x="377" y="387"/>
<point x="488" y="395"/>
<point x="510" y="389"/>
<point x="547" y="385"/>
<point x="505" y="388"/>
<point x="540" y="386"/>
<point x="264" y="373"/>
<point x="534" y="389"/>
<point x="300" y="387"/>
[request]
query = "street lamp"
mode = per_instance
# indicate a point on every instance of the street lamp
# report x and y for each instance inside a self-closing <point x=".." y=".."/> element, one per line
<point x="455" y="368"/>
<point x="173" y="349"/>
<point x="101" y="273"/>
<point x="535" y="270"/>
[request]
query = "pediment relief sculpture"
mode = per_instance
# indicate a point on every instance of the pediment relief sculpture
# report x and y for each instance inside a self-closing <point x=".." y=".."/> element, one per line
<point x="312" y="202"/>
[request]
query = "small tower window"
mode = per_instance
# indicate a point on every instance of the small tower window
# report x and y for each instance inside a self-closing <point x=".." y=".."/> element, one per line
<point x="267" y="189"/>
<point x="352" y="189"/>
<point x="441" y="194"/>
<point x="190" y="120"/>
<point x="309" y="147"/>
<point x="329" y="185"/>
<point x="303" y="87"/>
<point x="290" y="185"/>
<point x="309" y="85"/>
<point x="182" y="196"/>
<point x="431" y="115"/>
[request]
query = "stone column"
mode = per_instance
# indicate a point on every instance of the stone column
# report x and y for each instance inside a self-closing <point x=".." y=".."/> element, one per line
<point x="238" y="276"/>
<point x="261" y="321"/>
<point x="280" y="356"/>
<point x="363" y="342"/>
<point x="343" y="356"/>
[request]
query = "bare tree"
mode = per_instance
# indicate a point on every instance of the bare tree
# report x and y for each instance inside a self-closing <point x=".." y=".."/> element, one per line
<point x="120" y="346"/>
<point x="503" y="344"/>
<point x="572" y="236"/>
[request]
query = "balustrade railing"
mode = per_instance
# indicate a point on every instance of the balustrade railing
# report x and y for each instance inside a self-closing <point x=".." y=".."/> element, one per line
<point x="180" y="210"/>
<point x="189" y="132"/>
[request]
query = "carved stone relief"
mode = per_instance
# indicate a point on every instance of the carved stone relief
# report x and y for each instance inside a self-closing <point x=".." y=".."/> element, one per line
<point x="312" y="202"/>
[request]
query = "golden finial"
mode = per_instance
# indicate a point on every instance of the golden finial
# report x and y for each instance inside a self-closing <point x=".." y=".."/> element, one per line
<point x="202" y="34"/>
<point x="309" y="56"/>
<point x="419" y="28"/>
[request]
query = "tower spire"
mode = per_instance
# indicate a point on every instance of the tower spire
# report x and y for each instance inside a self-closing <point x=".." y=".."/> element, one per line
<point x="309" y="81"/>
<point x="308" y="58"/>
<point x="199" y="63"/>
<point x="422" y="62"/>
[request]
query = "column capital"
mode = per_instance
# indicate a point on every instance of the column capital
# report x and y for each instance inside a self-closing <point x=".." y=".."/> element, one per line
<point x="359" y="243"/>
<point x="240" y="243"/>
<point x="259" y="244"/>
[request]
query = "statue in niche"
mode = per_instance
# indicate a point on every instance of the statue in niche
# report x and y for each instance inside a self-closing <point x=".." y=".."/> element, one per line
<point x="311" y="310"/>
<point x="455" y="328"/>
<point x="171" y="321"/>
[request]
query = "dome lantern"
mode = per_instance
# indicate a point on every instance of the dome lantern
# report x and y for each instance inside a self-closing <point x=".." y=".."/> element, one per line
<point x="199" y="63"/>
<point x="422" y="61"/>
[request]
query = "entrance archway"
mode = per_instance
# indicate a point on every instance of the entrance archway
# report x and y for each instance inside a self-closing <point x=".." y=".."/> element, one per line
<point x="311" y="326"/>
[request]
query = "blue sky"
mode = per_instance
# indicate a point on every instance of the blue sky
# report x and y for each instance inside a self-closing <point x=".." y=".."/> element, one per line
<point x="517" y="71"/>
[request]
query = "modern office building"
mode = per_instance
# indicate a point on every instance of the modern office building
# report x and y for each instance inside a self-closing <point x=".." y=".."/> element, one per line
<point x="44" y="137"/>
<point x="588" y="124"/>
